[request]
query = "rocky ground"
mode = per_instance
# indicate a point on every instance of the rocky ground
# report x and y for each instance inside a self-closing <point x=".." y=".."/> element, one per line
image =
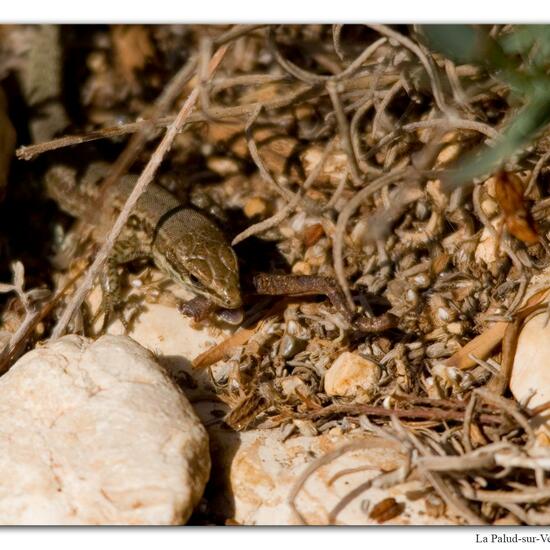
<point x="408" y="173"/>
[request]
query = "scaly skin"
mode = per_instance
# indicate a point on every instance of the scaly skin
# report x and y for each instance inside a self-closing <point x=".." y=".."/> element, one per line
<point x="182" y="243"/>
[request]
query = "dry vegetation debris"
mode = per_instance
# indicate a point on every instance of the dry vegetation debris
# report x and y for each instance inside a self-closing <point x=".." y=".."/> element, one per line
<point x="323" y="151"/>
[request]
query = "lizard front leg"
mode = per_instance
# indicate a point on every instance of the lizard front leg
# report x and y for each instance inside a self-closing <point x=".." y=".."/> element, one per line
<point x="126" y="249"/>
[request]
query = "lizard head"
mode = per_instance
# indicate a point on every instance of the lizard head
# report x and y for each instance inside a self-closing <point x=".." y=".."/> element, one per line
<point x="199" y="259"/>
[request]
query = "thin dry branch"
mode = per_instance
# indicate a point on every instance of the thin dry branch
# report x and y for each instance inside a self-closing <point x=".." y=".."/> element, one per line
<point x="277" y="218"/>
<point x="312" y="78"/>
<point x="424" y="59"/>
<point x="314" y="466"/>
<point x="536" y="171"/>
<point x="428" y="413"/>
<point x="19" y="339"/>
<point x="446" y="488"/>
<point x="345" y="214"/>
<point x="140" y="186"/>
<point x="255" y="154"/>
<point x="345" y="137"/>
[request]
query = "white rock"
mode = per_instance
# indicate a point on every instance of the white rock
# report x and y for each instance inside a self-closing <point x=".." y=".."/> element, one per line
<point x="258" y="469"/>
<point x="530" y="380"/>
<point x="175" y="339"/>
<point x="97" y="433"/>
<point x="351" y="375"/>
<point x="253" y="472"/>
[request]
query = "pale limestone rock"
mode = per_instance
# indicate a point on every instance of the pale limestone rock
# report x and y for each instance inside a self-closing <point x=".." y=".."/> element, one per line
<point x="97" y="433"/>
<point x="253" y="472"/>
<point x="351" y="375"/>
<point x="530" y="380"/>
<point x="257" y="470"/>
<point x="175" y="339"/>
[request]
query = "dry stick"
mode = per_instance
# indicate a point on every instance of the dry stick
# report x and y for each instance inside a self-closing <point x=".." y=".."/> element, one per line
<point x="336" y="35"/>
<point x="471" y="461"/>
<point x="350" y="471"/>
<point x="458" y="123"/>
<point x="268" y="223"/>
<point x="147" y="131"/>
<point x="430" y="413"/>
<point x="426" y="62"/>
<point x="345" y="214"/>
<point x="506" y="496"/>
<point x="381" y="109"/>
<point x="15" y="346"/>
<point x="454" y="501"/>
<point x="301" y="94"/>
<point x="512" y="410"/>
<point x="345" y="136"/>
<point x="539" y="409"/>
<point x="23" y="331"/>
<point x="247" y="80"/>
<point x="445" y="488"/>
<point x="312" y="78"/>
<point x="353" y="67"/>
<point x="141" y="185"/>
<point x="330" y="119"/>
<point x="529" y="518"/>
<point x="455" y="123"/>
<point x="277" y="218"/>
<point x="28" y="152"/>
<point x="466" y="437"/>
<point x="355" y="136"/>
<point x="458" y="92"/>
<point x="205" y="55"/>
<point x="434" y="402"/>
<point x="255" y="154"/>
<point x="314" y="466"/>
<point x="338" y="191"/>
<point x="536" y="171"/>
<point x="169" y="94"/>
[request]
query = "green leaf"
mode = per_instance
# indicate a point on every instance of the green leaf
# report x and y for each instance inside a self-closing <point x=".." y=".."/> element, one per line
<point x="467" y="44"/>
<point x="530" y="120"/>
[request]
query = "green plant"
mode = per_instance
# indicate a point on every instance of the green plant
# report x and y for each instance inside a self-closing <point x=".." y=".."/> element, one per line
<point x="518" y="57"/>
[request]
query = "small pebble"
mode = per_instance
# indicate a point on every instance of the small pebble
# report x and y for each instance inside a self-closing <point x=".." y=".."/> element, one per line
<point x="312" y="233"/>
<point x="352" y="375"/>
<point x="254" y="207"/>
<point x="448" y="154"/>
<point x="223" y="166"/>
<point x="301" y="268"/>
<point x="455" y="328"/>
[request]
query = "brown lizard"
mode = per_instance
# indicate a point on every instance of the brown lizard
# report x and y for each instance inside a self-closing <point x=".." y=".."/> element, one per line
<point x="182" y="242"/>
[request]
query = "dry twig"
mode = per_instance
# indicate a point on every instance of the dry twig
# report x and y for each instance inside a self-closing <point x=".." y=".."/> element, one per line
<point x="141" y="185"/>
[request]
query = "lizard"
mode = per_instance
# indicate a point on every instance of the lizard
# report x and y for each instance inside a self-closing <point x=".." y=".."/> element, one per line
<point x="182" y="242"/>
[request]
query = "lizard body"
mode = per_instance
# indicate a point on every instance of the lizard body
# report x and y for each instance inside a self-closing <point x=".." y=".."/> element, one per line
<point x="183" y="243"/>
